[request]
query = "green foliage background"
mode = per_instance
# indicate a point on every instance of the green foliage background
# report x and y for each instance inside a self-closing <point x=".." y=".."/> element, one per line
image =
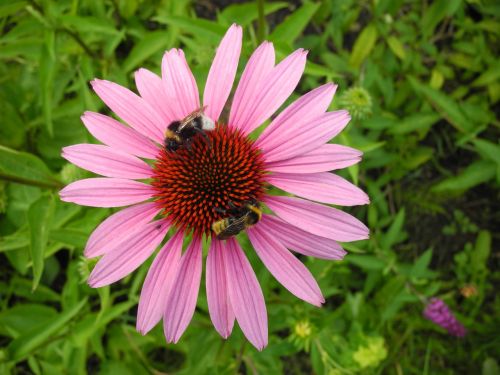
<point x="426" y="119"/>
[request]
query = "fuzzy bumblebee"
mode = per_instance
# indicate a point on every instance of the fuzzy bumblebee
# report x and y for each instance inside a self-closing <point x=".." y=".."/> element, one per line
<point x="238" y="219"/>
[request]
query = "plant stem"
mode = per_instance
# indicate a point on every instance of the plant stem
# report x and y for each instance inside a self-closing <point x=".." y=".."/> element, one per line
<point x="25" y="181"/>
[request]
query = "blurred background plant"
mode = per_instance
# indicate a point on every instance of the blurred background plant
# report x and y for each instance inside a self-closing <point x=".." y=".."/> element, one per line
<point x="422" y="80"/>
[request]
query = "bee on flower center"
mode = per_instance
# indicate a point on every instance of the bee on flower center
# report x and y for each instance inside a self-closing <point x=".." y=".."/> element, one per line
<point x="181" y="133"/>
<point x="237" y="219"/>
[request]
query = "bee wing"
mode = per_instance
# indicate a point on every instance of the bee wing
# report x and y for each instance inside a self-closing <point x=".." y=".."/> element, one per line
<point x="235" y="224"/>
<point x="186" y="120"/>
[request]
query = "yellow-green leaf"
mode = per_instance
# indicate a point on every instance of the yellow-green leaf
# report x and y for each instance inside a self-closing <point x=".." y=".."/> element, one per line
<point x="363" y="45"/>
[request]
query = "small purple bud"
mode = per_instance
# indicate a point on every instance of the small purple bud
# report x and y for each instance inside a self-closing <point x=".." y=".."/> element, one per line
<point x="438" y="312"/>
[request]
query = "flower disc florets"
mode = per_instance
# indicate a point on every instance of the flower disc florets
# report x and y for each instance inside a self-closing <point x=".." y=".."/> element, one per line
<point x="193" y="181"/>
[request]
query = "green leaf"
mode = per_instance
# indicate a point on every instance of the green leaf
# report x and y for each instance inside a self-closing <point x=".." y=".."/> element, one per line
<point x="9" y="8"/>
<point x="39" y="220"/>
<point x="481" y="253"/>
<point x="147" y="46"/>
<point x="367" y="262"/>
<point x="420" y="266"/>
<point x="293" y="26"/>
<point x="22" y="288"/>
<point x="246" y="13"/>
<point x="14" y="241"/>
<point x="101" y="26"/>
<point x="24" y="168"/>
<point x="70" y="237"/>
<point x="12" y="130"/>
<point x="363" y="45"/>
<point x="47" y="75"/>
<point x="490" y="367"/>
<point x="445" y="105"/>
<point x="203" y="28"/>
<point x="28" y="343"/>
<point x="488" y="150"/>
<point x="436" y="13"/>
<point x="396" y="47"/>
<point x="475" y="174"/>
<point x="22" y="318"/>
<point x="392" y="236"/>
<point x="418" y="121"/>
<point x="92" y="323"/>
<point x="418" y="157"/>
<point x="320" y="71"/>
<point x="490" y="76"/>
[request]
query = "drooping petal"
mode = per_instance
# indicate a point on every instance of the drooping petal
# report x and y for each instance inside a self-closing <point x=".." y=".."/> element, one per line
<point x="325" y="158"/>
<point x="106" y="192"/>
<point x="220" y="309"/>
<point x="111" y="232"/>
<point x="318" y="219"/>
<point x="322" y="187"/>
<point x="258" y="67"/>
<point x="179" y="84"/>
<point x="107" y="161"/>
<point x="245" y="295"/>
<point x="222" y="72"/>
<point x="133" y="251"/>
<point x="275" y="88"/>
<point x="301" y="241"/>
<point x="158" y="284"/>
<point x="182" y="299"/>
<point x="120" y="137"/>
<point x="315" y="133"/>
<point x="287" y="269"/>
<point x="131" y="108"/>
<point x="305" y="108"/>
<point x="150" y="86"/>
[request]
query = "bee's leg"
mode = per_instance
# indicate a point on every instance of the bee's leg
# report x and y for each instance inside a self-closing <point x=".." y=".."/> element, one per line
<point x="220" y="210"/>
<point x="232" y="206"/>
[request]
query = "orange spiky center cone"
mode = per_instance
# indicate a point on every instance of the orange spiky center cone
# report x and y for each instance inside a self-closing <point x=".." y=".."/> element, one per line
<point x="191" y="183"/>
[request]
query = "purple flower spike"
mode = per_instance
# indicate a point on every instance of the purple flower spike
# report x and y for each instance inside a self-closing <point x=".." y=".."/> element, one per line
<point x="438" y="312"/>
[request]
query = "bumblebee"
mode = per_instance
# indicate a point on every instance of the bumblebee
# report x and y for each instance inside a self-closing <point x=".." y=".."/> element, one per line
<point x="237" y="219"/>
<point x="182" y="132"/>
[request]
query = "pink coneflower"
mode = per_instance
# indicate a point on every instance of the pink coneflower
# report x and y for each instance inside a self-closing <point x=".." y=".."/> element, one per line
<point x="187" y="190"/>
<point x="439" y="313"/>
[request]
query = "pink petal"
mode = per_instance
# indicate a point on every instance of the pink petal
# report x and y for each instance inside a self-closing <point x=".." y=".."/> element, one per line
<point x="150" y="86"/>
<point x="107" y="161"/>
<point x="120" y="137"/>
<point x="245" y="294"/>
<point x="182" y="299"/>
<point x="220" y="309"/>
<point x="307" y="107"/>
<point x="322" y="187"/>
<point x="117" y="264"/>
<point x="131" y="108"/>
<point x="312" y="135"/>
<point x="179" y="84"/>
<point x="325" y="158"/>
<point x="259" y="65"/>
<point x="301" y="241"/>
<point x="158" y="284"/>
<point x="274" y="89"/>
<point x="222" y="72"/>
<point x="318" y="219"/>
<point x="112" y="231"/>
<point x="287" y="269"/>
<point x="106" y="192"/>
